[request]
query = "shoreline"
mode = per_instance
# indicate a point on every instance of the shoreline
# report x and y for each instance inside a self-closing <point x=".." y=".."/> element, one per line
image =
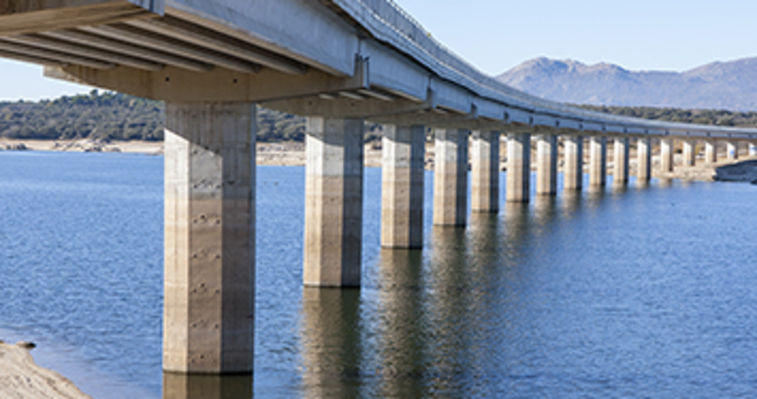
<point x="21" y="376"/>
<point x="290" y="153"/>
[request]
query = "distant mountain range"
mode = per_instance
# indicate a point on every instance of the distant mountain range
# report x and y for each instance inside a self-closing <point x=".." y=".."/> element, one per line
<point x="719" y="85"/>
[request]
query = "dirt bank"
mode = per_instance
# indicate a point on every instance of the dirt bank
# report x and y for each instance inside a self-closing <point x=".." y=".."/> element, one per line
<point x="22" y="378"/>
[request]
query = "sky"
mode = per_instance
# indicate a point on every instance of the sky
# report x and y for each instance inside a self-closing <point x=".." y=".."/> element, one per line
<point x="496" y="35"/>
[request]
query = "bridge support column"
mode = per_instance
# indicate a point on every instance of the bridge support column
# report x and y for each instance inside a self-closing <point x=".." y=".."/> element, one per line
<point x="732" y="150"/>
<point x="620" y="162"/>
<point x="666" y="155"/>
<point x="546" y="164"/>
<point x="710" y="152"/>
<point x="752" y="149"/>
<point x="598" y="161"/>
<point x="485" y="172"/>
<point x="644" y="155"/>
<point x="402" y="177"/>
<point x="333" y="202"/>
<point x="518" y="185"/>
<point x="209" y="238"/>
<point x="573" y="174"/>
<point x="689" y="154"/>
<point x="451" y="177"/>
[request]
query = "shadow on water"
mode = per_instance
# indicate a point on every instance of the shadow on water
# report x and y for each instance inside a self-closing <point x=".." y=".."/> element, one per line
<point x="330" y="342"/>
<point x="196" y="386"/>
<point x="401" y="341"/>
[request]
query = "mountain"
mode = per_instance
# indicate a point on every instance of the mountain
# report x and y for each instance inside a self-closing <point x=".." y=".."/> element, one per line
<point x="719" y="85"/>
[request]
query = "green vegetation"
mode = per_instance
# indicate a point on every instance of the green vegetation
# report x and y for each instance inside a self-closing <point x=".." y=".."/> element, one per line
<point x="700" y="116"/>
<point x="112" y="116"/>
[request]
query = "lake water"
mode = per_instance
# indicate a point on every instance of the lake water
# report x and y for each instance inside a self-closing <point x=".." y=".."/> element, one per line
<point x="650" y="292"/>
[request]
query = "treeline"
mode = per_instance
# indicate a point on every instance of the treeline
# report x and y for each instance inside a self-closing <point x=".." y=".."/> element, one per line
<point x="113" y="116"/>
<point x="110" y="116"/>
<point x="699" y="116"/>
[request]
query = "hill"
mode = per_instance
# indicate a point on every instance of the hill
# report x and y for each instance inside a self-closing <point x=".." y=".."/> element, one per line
<point x="719" y="85"/>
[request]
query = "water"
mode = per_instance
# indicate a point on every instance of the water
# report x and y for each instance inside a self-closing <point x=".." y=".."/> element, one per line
<point x="642" y="293"/>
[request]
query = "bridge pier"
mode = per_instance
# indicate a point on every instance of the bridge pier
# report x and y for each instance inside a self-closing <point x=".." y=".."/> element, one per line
<point x="546" y="164"/>
<point x="620" y="162"/>
<point x="333" y="202"/>
<point x="574" y="163"/>
<point x="450" y="177"/>
<point x="644" y="155"/>
<point x="732" y="151"/>
<point x="209" y="238"/>
<point x="518" y="184"/>
<point x="689" y="154"/>
<point x="598" y="161"/>
<point x="752" y="149"/>
<point x="485" y="171"/>
<point x="710" y="152"/>
<point x="402" y="176"/>
<point x="666" y="155"/>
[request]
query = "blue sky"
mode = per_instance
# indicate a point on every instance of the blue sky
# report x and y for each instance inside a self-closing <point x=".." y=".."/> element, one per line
<point x="495" y="35"/>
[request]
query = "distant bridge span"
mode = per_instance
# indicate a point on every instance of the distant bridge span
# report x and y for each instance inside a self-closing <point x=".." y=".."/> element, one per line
<point x="338" y="62"/>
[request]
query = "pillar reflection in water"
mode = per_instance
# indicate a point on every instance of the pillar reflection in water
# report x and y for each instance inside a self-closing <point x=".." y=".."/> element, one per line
<point x="200" y="386"/>
<point x="331" y="349"/>
<point x="402" y="328"/>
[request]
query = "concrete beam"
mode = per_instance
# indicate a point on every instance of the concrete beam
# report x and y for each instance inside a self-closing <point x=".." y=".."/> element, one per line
<point x="598" y="161"/>
<point x="666" y="155"/>
<point x="402" y="176"/>
<point x="518" y="187"/>
<point x="209" y="238"/>
<point x="620" y="161"/>
<point x="485" y="171"/>
<point x="573" y="174"/>
<point x="451" y="177"/>
<point x="181" y="85"/>
<point x="333" y="202"/>
<point x="546" y="164"/>
<point x="17" y="17"/>
<point x="644" y="154"/>
<point x="689" y="152"/>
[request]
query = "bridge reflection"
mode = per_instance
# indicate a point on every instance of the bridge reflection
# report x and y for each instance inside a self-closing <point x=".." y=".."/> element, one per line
<point x="198" y="386"/>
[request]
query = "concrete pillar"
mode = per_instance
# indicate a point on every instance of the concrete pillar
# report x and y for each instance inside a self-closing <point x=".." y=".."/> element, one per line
<point x="666" y="155"/>
<point x="644" y="155"/>
<point x="485" y="172"/>
<point x="689" y="153"/>
<point x="333" y="202"/>
<point x="710" y="152"/>
<point x="209" y="255"/>
<point x="598" y="161"/>
<point x="451" y="177"/>
<point x="518" y="167"/>
<point x="752" y="149"/>
<point x="574" y="163"/>
<point x="402" y="186"/>
<point x="620" y="161"/>
<point x="733" y="151"/>
<point x="546" y="164"/>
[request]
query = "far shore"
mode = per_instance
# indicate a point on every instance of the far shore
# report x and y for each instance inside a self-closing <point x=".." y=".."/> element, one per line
<point x="293" y="154"/>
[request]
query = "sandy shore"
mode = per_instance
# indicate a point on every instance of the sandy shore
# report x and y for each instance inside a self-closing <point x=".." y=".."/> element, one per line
<point x="293" y="154"/>
<point x="22" y="378"/>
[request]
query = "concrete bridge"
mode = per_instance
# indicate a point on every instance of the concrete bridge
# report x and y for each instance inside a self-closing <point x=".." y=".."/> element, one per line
<point x="338" y="62"/>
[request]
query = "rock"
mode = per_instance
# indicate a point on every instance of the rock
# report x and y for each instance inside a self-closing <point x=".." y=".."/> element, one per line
<point x="16" y="147"/>
<point x="739" y="172"/>
<point x="26" y="345"/>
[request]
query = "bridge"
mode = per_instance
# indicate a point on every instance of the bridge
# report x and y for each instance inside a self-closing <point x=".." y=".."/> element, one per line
<point x="340" y="63"/>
